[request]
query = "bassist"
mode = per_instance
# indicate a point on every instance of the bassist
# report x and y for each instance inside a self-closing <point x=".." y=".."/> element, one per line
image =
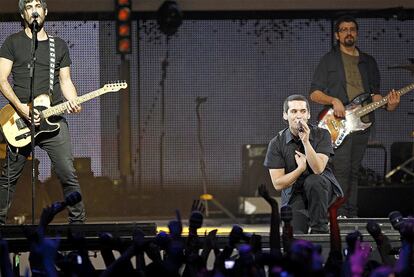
<point x="342" y="75"/>
<point x="15" y="55"/>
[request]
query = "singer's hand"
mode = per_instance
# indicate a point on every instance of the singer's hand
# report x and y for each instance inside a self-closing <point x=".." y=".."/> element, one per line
<point x="304" y="136"/>
<point x="300" y="160"/>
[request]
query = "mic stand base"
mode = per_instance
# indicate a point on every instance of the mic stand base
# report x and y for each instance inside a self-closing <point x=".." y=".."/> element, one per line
<point x="208" y="197"/>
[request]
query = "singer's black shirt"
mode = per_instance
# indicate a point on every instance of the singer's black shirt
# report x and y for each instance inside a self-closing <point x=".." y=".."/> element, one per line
<point x="281" y="154"/>
<point x="17" y="48"/>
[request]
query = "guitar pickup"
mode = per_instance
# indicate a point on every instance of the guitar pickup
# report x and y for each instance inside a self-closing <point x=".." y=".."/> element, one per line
<point x="20" y="124"/>
<point x="22" y="136"/>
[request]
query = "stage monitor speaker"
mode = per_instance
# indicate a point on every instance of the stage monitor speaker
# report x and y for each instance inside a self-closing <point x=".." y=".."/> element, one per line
<point x="378" y="202"/>
<point x="401" y="151"/>
<point x="254" y="172"/>
<point x="255" y="205"/>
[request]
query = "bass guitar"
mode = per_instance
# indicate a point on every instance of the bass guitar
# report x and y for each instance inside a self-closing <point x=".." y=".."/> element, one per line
<point x="16" y="129"/>
<point x="339" y="128"/>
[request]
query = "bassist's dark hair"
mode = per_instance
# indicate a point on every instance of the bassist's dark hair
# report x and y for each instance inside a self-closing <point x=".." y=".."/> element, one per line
<point x="345" y="18"/>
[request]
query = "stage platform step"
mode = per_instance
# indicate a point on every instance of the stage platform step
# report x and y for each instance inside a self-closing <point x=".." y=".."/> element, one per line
<point x="16" y="234"/>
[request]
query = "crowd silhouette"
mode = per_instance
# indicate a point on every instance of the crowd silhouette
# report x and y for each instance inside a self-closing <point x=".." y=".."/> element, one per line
<point x="172" y="254"/>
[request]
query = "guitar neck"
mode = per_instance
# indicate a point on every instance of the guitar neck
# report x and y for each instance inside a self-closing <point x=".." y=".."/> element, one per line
<point x="61" y="108"/>
<point x="375" y="105"/>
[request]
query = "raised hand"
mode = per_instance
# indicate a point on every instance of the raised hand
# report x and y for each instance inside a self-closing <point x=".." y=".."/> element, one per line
<point x="176" y="226"/>
<point x="236" y="234"/>
<point x="5" y="264"/>
<point x="336" y="204"/>
<point x="47" y="216"/>
<point x="138" y="238"/>
<point x="196" y="218"/>
<point x="359" y="258"/>
<point x="304" y="133"/>
<point x="198" y="206"/>
<point x="263" y="192"/>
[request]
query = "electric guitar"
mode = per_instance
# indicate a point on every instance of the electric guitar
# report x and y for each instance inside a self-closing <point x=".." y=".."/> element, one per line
<point x="16" y="129"/>
<point x="339" y="128"/>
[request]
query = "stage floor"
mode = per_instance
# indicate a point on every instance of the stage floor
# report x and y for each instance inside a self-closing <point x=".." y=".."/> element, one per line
<point x="16" y="234"/>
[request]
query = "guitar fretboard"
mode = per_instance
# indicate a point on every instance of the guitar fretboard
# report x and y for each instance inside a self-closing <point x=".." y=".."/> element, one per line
<point x="62" y="108"/>
<point x="375" y="105"/>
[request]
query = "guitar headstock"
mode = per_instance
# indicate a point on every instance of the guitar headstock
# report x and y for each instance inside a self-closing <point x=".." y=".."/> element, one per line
<point x="115" y="86"/>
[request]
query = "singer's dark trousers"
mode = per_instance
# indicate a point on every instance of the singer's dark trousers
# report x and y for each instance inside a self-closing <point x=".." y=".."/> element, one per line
<point x="59" y="150"/>
<point x="310" y="207"/>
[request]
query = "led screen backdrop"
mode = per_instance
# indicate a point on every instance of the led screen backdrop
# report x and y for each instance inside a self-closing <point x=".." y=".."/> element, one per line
<point x="242" y="70"/>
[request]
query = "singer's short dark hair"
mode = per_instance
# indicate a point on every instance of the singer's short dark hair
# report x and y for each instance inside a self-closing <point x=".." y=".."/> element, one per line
<point x="295" y="97"/>
<point x="22" y="4"/>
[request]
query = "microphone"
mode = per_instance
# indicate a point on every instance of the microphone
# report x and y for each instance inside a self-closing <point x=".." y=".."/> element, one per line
<point x="396" y="219"/>
<point x="35" y="15"/>
<point x="374" y="229"/>
<point x="70" y="200"/>
<point x="300" y="129"/>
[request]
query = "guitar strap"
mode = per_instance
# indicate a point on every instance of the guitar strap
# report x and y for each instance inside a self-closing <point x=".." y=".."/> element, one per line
<point x="52" y="54"/>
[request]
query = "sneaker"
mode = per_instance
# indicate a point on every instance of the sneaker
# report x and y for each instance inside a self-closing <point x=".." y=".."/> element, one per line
<point x="342" y="217"/>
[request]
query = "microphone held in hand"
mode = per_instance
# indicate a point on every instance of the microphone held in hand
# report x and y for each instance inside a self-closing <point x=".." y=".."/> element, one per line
<point x="396" y="219"/>
<point x="373" y="229"/>
<point x="35" y="15"/>
<point x="300" y="128"/>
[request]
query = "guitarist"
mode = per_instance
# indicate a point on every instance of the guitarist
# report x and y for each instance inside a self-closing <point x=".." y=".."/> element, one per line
<point x="15" y="55"/>
<point x="343" y="74"/>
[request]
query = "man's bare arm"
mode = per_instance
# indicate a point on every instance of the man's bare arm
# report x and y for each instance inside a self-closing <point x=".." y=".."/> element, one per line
<point x="7" y="90"/>
<point x="322" y="98"/>
<point x="68" y="90"/>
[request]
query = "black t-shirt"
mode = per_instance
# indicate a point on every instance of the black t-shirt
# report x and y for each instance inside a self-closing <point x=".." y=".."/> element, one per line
<point x="281" y="151"/>
<point x="17" y="48"/>
<point x="281" y="154"/>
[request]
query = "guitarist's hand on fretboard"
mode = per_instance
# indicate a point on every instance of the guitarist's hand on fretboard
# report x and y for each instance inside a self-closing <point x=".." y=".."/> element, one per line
<point x="73" y="107"/>
<point x="338" y="107"/>
<point x="393" y="100"/>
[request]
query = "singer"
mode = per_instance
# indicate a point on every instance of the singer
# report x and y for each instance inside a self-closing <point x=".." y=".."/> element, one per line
<point x="15" y="56"/>
<point x="297" y="159"/>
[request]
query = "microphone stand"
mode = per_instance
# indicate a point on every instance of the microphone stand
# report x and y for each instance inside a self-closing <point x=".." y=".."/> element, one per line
<point x="207" y="196"/>
<point x="32" y="63"/>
